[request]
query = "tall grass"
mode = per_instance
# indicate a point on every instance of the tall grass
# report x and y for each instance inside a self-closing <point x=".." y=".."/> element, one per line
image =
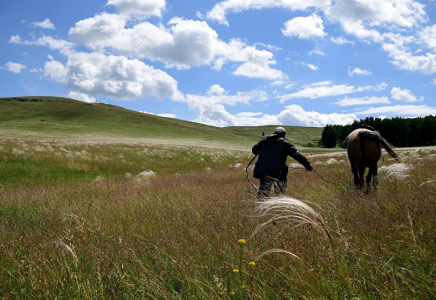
<point x="75" y="225"/>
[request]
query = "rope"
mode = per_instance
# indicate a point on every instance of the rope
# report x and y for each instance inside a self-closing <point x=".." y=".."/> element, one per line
<point x="248" y="178"/>
<point x="325" y="179"/>
<point x="313" y="170"/>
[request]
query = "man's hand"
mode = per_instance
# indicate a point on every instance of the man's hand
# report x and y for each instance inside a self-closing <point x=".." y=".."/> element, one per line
<point x="309" y="168"/>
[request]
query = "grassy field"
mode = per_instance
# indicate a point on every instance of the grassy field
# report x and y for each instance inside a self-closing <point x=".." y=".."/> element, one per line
<point x="55" y="118"/>
<point x="114" y="219"/>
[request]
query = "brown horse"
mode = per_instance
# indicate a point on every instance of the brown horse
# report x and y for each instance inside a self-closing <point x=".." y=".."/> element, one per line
<point x="364" y="151"/>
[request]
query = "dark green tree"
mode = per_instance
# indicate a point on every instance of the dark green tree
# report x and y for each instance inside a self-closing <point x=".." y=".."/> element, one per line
<point x="328" y="137"/>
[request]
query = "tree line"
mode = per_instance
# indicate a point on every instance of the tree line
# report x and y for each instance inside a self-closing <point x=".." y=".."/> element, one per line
<point x="400" y="132"/>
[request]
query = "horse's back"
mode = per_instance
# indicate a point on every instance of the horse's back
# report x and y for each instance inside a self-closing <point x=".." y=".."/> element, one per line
<point x="353" y="146"/>
<point x="357" y="147"/>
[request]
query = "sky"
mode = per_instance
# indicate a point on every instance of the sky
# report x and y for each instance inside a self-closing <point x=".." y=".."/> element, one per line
<point x="227" y="63"/>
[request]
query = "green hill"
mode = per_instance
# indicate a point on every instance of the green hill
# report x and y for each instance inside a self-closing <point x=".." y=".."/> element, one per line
<point x="56" y="118"/>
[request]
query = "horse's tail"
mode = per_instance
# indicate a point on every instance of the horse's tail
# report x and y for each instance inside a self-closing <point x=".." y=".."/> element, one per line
<point x="375" y="136"/>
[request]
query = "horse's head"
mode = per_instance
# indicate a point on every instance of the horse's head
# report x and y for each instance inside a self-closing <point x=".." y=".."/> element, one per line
<point x="344" y="143"/>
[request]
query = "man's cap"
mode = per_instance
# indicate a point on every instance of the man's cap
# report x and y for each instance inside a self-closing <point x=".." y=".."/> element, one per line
<point x="280" y="130"/>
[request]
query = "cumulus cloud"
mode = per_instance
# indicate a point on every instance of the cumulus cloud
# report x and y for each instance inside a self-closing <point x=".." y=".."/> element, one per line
<point x="139" y="7"/>
<point x="358" y="71"/>
<point x="14" y="67"/>
<point x="63" y="46"/>
<point x="46" y="24"/>
<point x="114" y="76"/>
<point x="406" y="110"/>
<point x="326" y="89"/>
<point x="362" y="101"/>
<point x="359" y="18"/>
<point x="219" y="11"/>
<point x="404" y="59"/>
<point x="81" y="97"/>
<point x="297" y="116"/>
<point x="316" y="51"/>
<point x="341" y="40"/>
<point x="211" y="109"/>
<point x="184" y="44"/>
<point x="293" y="115"/>
<point x="305" y="27"/>
<point x="428" y="36"/>
<point x="310" y="66"/>
<point x="404" y="95"/>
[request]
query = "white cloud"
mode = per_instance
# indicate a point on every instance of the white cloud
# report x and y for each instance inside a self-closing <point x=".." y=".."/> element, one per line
<point x="362" y="101"/>
<point x="14" y="67"/>
<point x="341" y="41"/>
<point x="81" y="97"/>
<point x="46" y="24"/>
<point x="316" y="51"/>
<point x="63" y="46"/>
<point x="216" y="89"/>
<point x="184" y="44"/>
<point x="310" y="66"/>
<point x="140" y="8"/>
<point x="114" y="76"/>
<point x="404" y="95"/>
<point x="219" y="11"/>
<point x="325" y="89"/>
<point x="211" y="109"/>
<point x="407" y="110"/>
<point x="98" y="32"/>
<point x="259" y="70"/>
<point x="358" y="71"/>
<point x="305" y="27"/>
<point x="428" y="36"/>
<point x="172" y="116"/>
<point x="405" y="60"/>
<point x="295" y="115"/>
<point x="361" y="17"/>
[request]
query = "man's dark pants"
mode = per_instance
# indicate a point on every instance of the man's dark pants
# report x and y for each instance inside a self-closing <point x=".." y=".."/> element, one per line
<point x="266" y="183"/>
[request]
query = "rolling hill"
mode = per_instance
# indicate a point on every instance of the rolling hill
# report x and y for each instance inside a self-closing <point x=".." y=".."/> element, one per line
<point x="56" y="118"/>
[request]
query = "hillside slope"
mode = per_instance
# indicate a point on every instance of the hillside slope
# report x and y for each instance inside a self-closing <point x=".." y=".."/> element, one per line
<point x="56" y="118"/>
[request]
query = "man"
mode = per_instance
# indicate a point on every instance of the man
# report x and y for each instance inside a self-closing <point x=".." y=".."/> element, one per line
<point x="271" y="168"/>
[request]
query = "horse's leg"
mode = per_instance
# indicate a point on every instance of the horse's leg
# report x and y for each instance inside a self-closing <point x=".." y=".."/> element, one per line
<point x="361" y="173"/>
<point x="355" y="170"/>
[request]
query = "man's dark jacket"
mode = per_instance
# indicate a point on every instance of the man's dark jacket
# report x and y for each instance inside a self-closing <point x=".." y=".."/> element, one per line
<point x="273" y="151"/>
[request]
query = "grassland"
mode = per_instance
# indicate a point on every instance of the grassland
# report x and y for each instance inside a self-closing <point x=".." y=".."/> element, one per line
<point x="55" y="118"/>
<point x="114" y="219"/>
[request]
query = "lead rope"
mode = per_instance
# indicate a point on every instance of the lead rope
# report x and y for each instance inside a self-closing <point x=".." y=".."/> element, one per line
<point x="248" y="178"/>
<point x="313" y="170"/>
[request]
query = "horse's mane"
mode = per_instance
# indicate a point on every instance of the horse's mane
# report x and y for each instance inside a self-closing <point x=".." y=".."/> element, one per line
<point x="366" y="127"/>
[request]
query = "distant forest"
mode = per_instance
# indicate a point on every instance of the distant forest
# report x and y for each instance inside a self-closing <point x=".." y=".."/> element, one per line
<point x="400" y="132"/>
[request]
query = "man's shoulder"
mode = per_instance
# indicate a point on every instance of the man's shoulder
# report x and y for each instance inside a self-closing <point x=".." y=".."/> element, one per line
<point x="285" y="141"/>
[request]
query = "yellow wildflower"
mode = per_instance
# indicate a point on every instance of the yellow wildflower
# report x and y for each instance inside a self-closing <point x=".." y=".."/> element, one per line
<point x="241" y="241"/>
<point x="232" y="293"/>
<point x="235" y="270"/>
<point x="244" y="287"/>
<point x="252" y="263"/>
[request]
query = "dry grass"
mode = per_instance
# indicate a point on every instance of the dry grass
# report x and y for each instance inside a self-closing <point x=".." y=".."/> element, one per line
<point x="173" y="234"/>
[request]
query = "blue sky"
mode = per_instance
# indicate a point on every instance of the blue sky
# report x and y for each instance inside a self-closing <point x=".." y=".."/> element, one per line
<point x="227" y="63"/>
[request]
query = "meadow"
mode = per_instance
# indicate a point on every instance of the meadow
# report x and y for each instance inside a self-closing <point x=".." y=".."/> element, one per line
<point x="93" y="220"/>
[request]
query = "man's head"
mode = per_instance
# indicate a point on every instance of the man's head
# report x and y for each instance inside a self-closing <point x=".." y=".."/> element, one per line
<point x="280" y="131"/>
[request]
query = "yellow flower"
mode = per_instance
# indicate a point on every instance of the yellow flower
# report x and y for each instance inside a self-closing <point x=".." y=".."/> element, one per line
<point x="241" y="241"/>
<point x="235" y="270"/>
<point x="252" y="263"/>
<point x="232" y="293"/>
<point x="244" y="287"/>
